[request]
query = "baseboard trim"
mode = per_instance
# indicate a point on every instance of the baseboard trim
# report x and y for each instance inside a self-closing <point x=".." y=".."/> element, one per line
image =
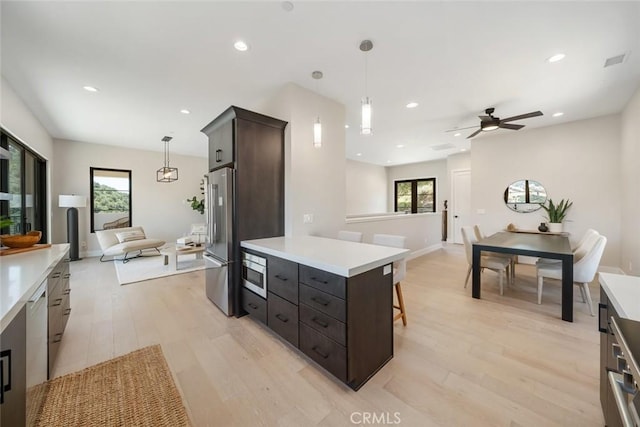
<point x="424" y="251"/>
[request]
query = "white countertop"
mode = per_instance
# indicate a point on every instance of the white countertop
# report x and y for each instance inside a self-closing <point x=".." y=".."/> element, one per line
<point x="340" y="257"/>
<point x="21" y="275"/>
<point x="624" y="293"/>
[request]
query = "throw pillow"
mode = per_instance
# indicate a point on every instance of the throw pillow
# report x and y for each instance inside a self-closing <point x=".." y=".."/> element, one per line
<point x="128" y="236"/>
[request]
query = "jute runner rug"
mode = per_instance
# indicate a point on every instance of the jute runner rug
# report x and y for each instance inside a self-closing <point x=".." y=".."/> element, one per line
<point x="131" y="390"/>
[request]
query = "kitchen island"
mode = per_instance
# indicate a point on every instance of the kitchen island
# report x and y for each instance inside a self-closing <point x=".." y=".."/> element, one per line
<point x="331" y="299"/>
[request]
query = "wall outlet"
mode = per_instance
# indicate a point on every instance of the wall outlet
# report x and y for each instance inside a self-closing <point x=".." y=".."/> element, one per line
<point x="481" y="211"/>
<point x="83" y="245"/>
<point x="307" y="218"/>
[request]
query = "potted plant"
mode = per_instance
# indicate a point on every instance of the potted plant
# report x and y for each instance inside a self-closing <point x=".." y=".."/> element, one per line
<point x="197" y="204"/>
<point x="556" y="213"/>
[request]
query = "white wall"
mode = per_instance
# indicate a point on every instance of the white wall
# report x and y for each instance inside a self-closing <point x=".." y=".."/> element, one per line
<point x="630" y="173"/>
<point x="160" y="208"/>
<point x="578" y="161"/>
<point x="16" y="118"/>
<point x="314" y="177"/>
<point x="366" y="188"/>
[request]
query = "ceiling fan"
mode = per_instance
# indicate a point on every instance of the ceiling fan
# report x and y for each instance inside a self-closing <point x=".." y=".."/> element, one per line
<point x="490" y="122"/>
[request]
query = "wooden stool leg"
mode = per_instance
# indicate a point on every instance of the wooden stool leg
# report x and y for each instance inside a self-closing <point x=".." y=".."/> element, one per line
<point x="403" y="313"/>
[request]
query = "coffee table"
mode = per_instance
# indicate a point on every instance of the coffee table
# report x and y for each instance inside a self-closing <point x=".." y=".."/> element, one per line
<point x="179" y="251"/>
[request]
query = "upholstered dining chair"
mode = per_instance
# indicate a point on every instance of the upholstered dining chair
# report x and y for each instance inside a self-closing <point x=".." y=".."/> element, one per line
<point x="352" y="236"/>
<point x="498" y="264"/>
<point x="513" y="259"/>
<point x="584" y="270"/>
<point x="399" y="270"/>
<point x="579" y="250"/>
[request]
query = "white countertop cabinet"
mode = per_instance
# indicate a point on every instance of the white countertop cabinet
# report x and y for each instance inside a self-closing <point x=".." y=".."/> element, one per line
<point x="331" y="299"/>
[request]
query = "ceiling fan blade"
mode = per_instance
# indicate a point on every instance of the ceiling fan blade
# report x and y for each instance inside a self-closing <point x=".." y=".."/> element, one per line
<point x="522" y="116"/>
<point x="457" y="129"/>
<point x="510" y="126"/>
<point x="474" y="134"/>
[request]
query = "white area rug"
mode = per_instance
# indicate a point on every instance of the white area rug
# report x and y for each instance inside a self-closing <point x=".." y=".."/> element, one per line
<point x="152" y="266"/>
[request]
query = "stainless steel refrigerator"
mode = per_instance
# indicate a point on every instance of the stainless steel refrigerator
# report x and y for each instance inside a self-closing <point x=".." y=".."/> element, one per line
<point x="219" y="247"/>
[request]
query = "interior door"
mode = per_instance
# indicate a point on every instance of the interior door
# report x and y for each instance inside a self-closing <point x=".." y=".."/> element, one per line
<point x="461" y="207"/>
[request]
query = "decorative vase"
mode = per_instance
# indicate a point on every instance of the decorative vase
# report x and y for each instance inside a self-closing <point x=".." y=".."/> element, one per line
<point x="555" y="227"/>
<point x="543" y="227"/>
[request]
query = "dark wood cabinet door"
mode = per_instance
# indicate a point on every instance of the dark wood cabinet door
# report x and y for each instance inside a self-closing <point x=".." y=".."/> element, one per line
<point x="221" y="145"/>
<point x="282" y="278"/>
<point x="282" y="317"/>
<point x="13" y="362"/>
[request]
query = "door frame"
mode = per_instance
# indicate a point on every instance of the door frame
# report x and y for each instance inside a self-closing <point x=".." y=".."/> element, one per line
<point x="455" y="230"/>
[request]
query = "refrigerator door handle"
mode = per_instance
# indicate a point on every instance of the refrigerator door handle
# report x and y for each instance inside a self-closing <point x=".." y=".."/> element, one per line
<point x="213" y="218"/>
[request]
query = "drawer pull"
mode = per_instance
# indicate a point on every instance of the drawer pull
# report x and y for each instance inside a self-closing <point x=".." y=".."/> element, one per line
<point x="320" y="322"/>
<point x="282" y="318"/>
<point x="66" y="276"/>
<point x="252" y="305"/>
<point x="324" y="356"/>
<point x="324" y="282"/>
<point x="67" y="292"/>
<point x="55" y="275"/>
<point x="284" y="279"/>
<point x="57" y="337"/>
<point x="320" y="301"/>
<point x="57" y="302"/>
<point x="67" y="311"/>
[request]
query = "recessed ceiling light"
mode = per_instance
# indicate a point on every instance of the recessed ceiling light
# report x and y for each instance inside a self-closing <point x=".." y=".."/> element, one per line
<point x="557" y="57"/>
<point x="457" y="134"/>
<point x="388" y="161"/>
<point x="463" y="149"/>
<point x="241" y="46"/>
<point x="558" y="114"/>
<point x="400" y="146"/>
<point x="90" y="88"/>
<point x="358" y="154"/>
<point x="346" y="126"/>
<point x="185" y="111"/>
<point x="412" y="105"/>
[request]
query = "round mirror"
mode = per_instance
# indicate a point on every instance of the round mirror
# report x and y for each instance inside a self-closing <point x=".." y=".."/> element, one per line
<point x="525" y="196"/>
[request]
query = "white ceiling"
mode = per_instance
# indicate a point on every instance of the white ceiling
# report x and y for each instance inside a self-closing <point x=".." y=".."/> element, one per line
<point x="151" y="59"/>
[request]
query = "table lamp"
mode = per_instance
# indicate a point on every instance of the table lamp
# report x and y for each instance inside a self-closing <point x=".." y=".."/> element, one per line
<point x="72" y="202"/>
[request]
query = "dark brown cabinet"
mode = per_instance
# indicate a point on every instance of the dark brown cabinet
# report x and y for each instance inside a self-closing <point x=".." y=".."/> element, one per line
<point x="13" y="371"/>
<point x="343" y="324"/>
<point x="58" y="307"/>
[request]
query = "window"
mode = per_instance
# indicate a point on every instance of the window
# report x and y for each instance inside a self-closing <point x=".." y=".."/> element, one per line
<point x="110" y="199"/>
<point x="415" y="195"/>
<point x="23" y="187"/>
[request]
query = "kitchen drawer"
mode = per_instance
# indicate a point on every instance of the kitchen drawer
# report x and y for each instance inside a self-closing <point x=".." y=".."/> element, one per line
<point x="325" y="281"/>
<point x="324" y="324"/>
<point x="255" y="305"/>
<point x="323" y="302"/>
<point x="66" y="309"/>
<point x="324" y="351"/>
<point x="282" y="317"/>
<point x="282" y="278"/>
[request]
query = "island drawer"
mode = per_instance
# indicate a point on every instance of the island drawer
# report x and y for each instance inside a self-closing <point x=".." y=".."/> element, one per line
<point x="255" y="305"/>
<point x="282" y="278"/>
<point x="324" y="351"/>
<point x="323" y="280"/>
<point x="323" y="302"/>
<point x="324" y="324"/>
<point x="282" y="317"/>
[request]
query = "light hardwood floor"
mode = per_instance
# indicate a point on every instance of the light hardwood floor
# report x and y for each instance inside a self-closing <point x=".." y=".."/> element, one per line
<point x="499" y="361"/>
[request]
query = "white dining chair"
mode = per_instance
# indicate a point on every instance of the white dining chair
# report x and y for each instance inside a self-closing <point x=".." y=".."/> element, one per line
<point x="498" y="264"/>
<point x="352" y="236"/>
<point x="584" y="270"/>
<point x="399" y="270"/>
<point x="513" y="259"/>
<point x="579" y="250"/>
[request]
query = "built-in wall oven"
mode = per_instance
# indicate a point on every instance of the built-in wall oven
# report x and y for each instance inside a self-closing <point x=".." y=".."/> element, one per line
<point x="254" y="273"/>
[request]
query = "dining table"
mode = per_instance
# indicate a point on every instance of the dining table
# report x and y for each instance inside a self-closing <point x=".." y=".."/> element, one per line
<point x="540" y="245"/>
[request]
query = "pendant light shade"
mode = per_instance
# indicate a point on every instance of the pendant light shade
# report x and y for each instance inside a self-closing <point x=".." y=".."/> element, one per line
<point x="166" y="173"/>
<point x="317" y="133"/>
<point x="317" y="126"/>
<point x="365" y="126"/>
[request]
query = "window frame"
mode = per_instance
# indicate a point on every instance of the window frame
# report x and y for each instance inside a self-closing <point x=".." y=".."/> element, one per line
<point x="414" y="193"/>
<point x="92" y="171"/>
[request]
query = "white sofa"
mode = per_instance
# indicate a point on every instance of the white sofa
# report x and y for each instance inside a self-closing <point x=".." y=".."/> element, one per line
<point x="123" y="241"/>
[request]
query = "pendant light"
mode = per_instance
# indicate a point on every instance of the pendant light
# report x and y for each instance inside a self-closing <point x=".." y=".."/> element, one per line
<point x="167" y="173"/>
<point x="317" y="126"/>
<point x="365" y="127"/>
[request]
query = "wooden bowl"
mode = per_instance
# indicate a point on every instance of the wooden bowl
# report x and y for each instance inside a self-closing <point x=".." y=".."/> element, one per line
<point x="21" y="240"/>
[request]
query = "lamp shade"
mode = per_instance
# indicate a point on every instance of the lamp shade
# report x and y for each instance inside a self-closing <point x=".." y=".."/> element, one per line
<point x="72" y="201"/>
